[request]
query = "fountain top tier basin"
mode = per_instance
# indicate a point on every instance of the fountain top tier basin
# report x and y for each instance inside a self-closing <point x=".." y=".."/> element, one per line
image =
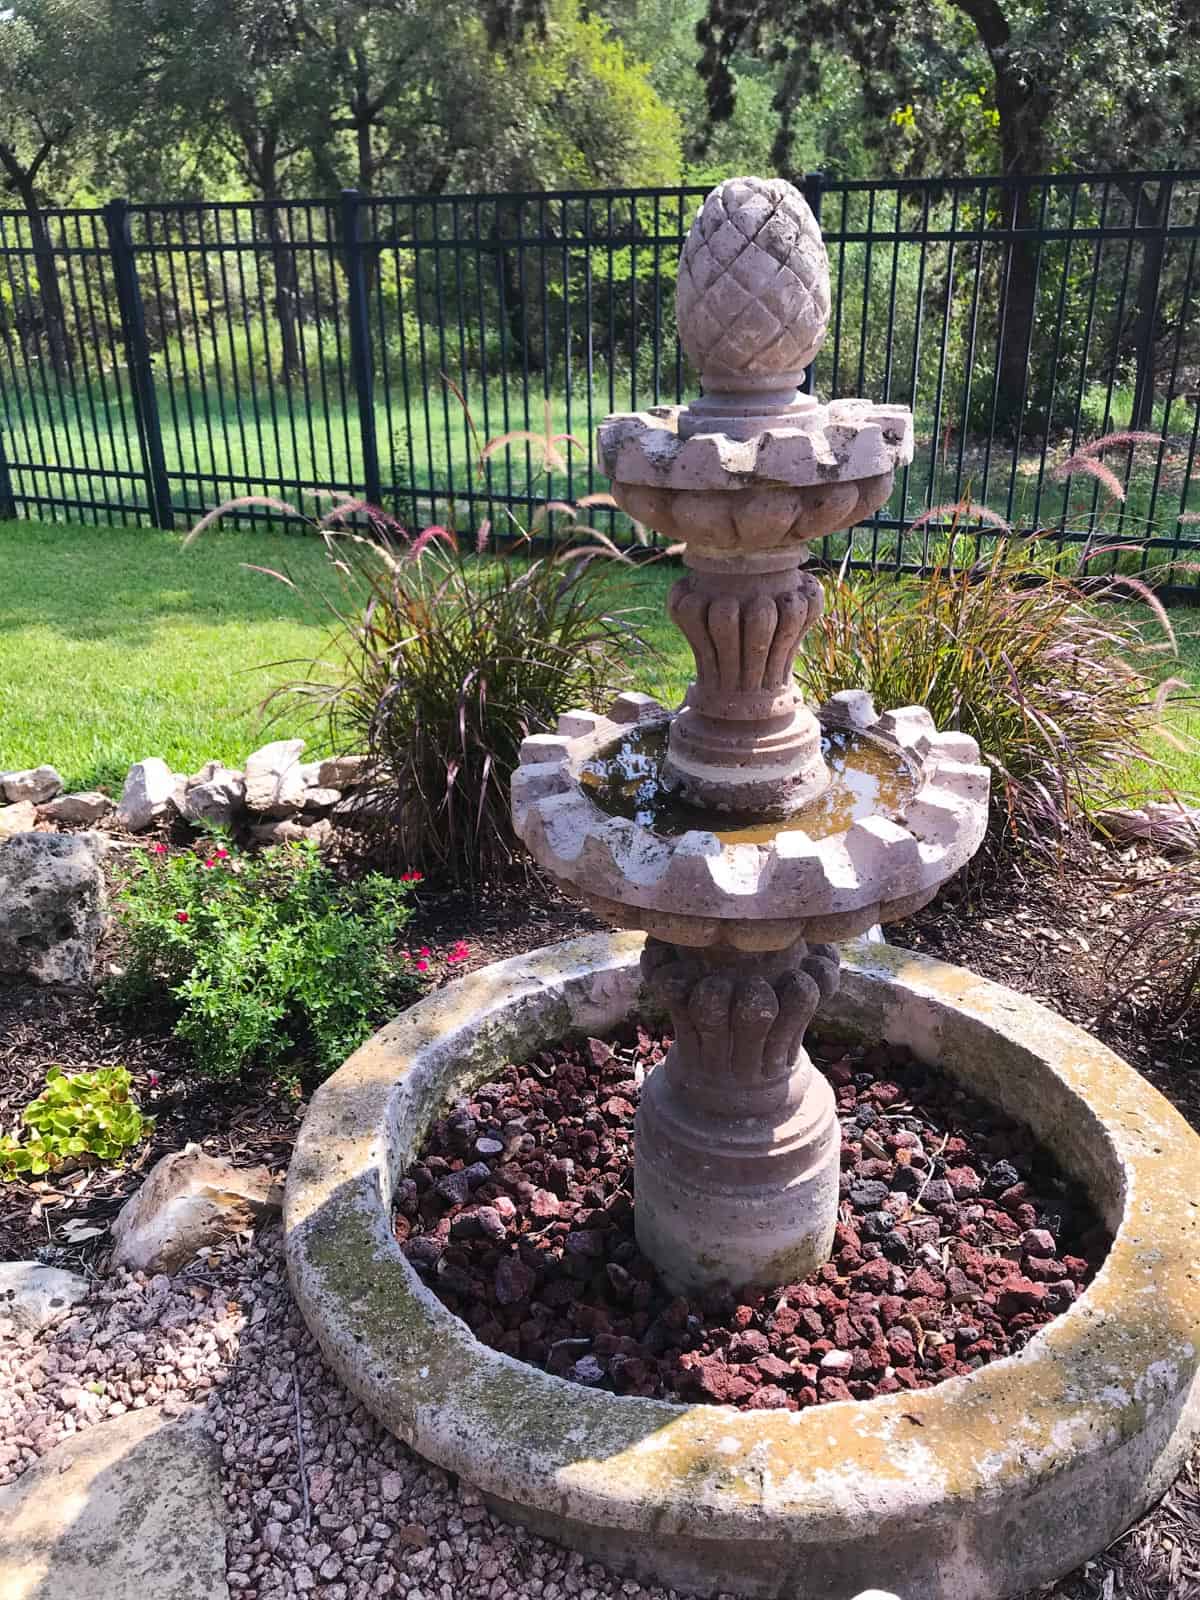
<point x="692" y="887"/>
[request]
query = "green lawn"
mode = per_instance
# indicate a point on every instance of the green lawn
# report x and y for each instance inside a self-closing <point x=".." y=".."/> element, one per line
<point x="118" y="643"/>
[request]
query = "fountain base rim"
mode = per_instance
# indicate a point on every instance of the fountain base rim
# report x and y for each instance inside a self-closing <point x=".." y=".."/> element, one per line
<point x="1069" y="1441"/>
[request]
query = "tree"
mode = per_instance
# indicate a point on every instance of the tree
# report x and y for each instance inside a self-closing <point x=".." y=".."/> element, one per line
<point x="48" y="52"/>
<point x="1069" y="83"/>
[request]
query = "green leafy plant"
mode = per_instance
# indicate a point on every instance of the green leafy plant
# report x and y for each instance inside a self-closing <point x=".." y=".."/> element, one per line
<point x="265" y="961"/>
<point x="78" y="1116"/>
<point x="1056" y="674"/>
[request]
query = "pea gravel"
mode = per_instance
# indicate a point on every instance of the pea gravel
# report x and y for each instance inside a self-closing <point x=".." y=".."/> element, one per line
<point x="355" y="1516"/>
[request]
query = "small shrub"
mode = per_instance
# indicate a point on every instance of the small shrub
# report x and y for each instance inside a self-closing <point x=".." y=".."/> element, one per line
<point x="77" y="1116"/>
<point x="1059" y="685"/>
<point x="444" y="658"/>
<point x="265" y="960"/>
<point x="1154" y="961"/>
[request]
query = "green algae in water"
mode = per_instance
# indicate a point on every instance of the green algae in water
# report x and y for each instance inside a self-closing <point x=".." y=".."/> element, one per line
<point x="867" y="779"/>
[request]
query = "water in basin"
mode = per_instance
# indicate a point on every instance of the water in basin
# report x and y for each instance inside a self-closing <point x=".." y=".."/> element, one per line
<point x="867" y="779"/>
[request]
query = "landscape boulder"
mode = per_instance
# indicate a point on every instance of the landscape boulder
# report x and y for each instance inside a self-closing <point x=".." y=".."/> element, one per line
<point x="190" y="1201"/>
<point x="275" y="779"/>
<point x="88" y="806"/>
<point x="33" y="1296"/>
<point x="124" y="1510"/>
<point x="37" y="784"/>
<point x="51" y="906"/>
<point x="147" y="795"/>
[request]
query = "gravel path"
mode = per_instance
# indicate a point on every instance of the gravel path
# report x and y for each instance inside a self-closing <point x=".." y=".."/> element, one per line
<point x="354" y="1516"/>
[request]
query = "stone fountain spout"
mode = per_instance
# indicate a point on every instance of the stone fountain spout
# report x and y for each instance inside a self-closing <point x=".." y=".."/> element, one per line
<point x="737" y="1144"/>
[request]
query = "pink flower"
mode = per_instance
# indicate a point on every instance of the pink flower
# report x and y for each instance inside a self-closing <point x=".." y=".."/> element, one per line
<point x="210" y="863"/>
<point x="422" y="966"/>
<point x="402" y="954"/>
<point x="222" y="855"/>
<point x="424" y="950"/>
<point x="182" y="916"/>
<point x="158" y="849"/>
<point x="460" y="952"/>
<point x="152" y="1079"/>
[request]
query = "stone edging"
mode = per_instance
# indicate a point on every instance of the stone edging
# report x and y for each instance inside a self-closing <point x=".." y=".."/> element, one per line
<point x="973" y="1490"/>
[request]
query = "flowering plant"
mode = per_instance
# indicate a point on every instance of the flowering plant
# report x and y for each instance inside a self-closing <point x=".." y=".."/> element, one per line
<point x="262" y="960"/>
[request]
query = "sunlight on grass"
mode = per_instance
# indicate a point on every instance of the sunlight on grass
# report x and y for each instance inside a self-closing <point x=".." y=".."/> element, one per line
<point x="117" y="643"/>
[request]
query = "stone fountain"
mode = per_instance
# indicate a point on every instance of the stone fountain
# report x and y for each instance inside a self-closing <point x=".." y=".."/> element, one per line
<point x="733" y="844"/>
<point x="737" y="1146"/>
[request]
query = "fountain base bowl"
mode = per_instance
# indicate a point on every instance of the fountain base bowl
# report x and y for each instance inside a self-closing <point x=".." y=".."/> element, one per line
<point x="977" y="1489"/>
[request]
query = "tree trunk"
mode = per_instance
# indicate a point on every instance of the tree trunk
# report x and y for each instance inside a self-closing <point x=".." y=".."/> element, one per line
<point x="1148" y="213"/>
<point x="287" y="286"/>
<point x="1018" y="308"/>
<point x="54" y="317"/>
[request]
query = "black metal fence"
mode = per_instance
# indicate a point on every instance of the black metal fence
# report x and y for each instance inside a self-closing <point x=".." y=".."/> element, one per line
<point x="156" y="360"/>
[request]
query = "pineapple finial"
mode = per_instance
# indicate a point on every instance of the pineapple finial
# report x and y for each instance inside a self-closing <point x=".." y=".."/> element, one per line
<point x="753" y="295"/>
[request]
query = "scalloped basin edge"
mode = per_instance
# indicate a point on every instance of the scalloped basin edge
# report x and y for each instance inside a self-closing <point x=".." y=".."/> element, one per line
<point x="977" y="1489"/>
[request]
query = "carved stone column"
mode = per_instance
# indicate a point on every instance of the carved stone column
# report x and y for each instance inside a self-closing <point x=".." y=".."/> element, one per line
<point x="744" y="739"/>
<point x="737" y="1144"/>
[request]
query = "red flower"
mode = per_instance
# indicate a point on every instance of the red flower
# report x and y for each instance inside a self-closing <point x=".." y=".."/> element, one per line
<point x="424" y="950"/>
<point x="222" y="855"/>
<point x="412" y="877"/>
<point x="210" y="863"/>
<point x="422" y="966"/>
<point x="460" y="952"/>
<point x="158" y="849"/>
<point x="181" y="916"/>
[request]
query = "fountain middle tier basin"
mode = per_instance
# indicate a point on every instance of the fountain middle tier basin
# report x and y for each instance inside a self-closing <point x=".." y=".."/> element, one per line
<point x="905" y="809"/>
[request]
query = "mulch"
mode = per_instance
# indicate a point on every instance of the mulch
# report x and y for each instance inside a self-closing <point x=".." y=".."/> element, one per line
<point x="1047" y="934"/>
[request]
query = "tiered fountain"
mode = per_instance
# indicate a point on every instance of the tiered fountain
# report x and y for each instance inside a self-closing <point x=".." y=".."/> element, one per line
<point x="744" y="832"/>
<point x="744" y="835"/>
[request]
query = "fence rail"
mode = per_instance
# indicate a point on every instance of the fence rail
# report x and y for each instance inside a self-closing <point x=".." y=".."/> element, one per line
<point x="156" y="360"/>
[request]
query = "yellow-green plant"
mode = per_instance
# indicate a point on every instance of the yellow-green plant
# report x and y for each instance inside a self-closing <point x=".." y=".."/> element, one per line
<point x="78" y="1116"/>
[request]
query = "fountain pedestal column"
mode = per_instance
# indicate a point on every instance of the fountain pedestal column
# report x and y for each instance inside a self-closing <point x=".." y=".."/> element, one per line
<point x="745" y="740"/>
<point x="737" y="1145"/>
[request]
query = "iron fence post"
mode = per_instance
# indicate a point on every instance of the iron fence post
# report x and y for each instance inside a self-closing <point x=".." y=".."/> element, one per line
<point x="141" y="371"/>
<point x="812" y="187"/>
<point x="361" y="366"/>
<point x="8" y="503"/>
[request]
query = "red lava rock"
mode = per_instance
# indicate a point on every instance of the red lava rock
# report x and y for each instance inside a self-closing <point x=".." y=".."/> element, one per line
<point x="514" y="1281"/>
<point x="1019" y="1294"/>
<point x="533" y="1243"/>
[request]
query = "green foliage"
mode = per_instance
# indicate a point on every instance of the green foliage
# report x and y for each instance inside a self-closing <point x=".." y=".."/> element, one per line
<point x="78" y="1115"/>
<point x="1050" y="671"/>
<point x="441" y="663"/>
<point x="266" y="961"/>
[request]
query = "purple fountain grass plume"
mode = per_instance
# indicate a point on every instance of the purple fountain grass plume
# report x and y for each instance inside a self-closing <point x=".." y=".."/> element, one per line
<point x="966" y="509"/>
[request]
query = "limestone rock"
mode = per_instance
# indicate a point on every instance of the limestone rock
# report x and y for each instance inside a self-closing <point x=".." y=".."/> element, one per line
<point x="292" y="832"/>
<point x="214" y="794"/>
<point x="38" y="784"/>
<point x="89" y="805"/>
<point x="17" y="819"/>
<point x="149" y="787"/>
<point x="129" y="1508"/>
<point x="343" y="772"/>
<point x="34" y="1296"/>
<point x="321" y="799"/>
<point x="190" y="1200"/>
<point x="51" y="906"/>
<point x="275" y="779"/>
